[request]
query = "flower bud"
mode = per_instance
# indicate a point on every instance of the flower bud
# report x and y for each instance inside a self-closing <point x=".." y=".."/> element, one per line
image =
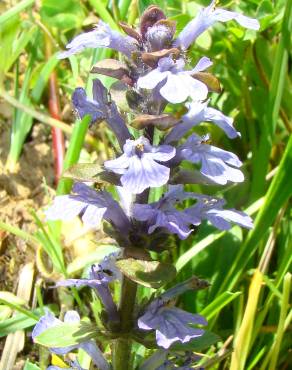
<point x="160" y="35"/>
<point x="150" y="16"/>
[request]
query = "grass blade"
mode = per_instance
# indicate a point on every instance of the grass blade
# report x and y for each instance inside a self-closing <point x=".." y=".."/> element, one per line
<point x="104" y="14"/>
<point x="217" y="304"/>
<point x="208" y="240"/>
<point x="279" y="192"/>
<point x="22" y="123"/>
<point x="281" y="327"/>
<point x="124" y="7"/>
<point x="262" y="157"/>
<point x="73" y="152"/>
<point x="15" y="10"/>
<point x="242" y="341"/>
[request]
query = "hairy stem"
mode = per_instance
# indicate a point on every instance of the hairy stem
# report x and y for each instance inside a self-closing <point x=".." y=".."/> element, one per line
<point x="121" y="355"/>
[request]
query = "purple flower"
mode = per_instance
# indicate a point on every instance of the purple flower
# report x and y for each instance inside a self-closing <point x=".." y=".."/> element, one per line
<point x="100" y="109"/>
<point x="84" y="106"/>
<point x="170" y="323"/>
<point x="179" y="84"/>
<point x="138" y="165"/>
<point x="211" y="209"/>
<point x="217" y="164"/>
<point x="206" y="18"/>
<point x="99" y="278"/>
<point x="166" y="217"/>
<point x="163" y="213"/>
<point x="126" y="200"/>
<point x="200" y="112"/>
<point x="49" y="320"/>
<point x="102" y="37"/>
<point x="103" y="273"/>
<point x="93" y="205"/>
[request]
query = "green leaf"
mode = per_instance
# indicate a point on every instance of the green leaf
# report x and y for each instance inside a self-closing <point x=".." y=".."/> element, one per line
<point x="12" y="298"/>
<point x="200" y="245"/>
<point x="5" y="312"/>
<point x="273" y="103"/>
<point x="73" y="152"/>
<point x="19" y="44"/>
<point x="66" y="334"/>
<point x="278" y="194"/>
<point x="30" y="366"/>
<point x="20" y="321"/>
<point x="14" y="306"/>
<point x="43" y="77"/>
<point x="83" y="172"/>
<point x="152" y="274"/>
<point x="217" y="304"/>
<point x="15" y="10"/>
<point x="65" y="14"/>
<point x="198" y="344"/>
<point x="103" y="13"/>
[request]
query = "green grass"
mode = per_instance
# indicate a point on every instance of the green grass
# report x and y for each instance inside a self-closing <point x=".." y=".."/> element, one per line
<point x="248" y="300"/>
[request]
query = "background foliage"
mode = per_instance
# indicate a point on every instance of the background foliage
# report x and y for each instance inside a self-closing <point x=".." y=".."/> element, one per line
<point x="247" y="304"/>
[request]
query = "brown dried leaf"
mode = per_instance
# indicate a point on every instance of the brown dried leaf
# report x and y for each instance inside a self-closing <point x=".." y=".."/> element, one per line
<point x="150" y="16"/>
<point x="208" y="79"/>
<point x="130" y="31"/>
<point x="151" y="59"/>
<point x="162" y="121"/>
<point x="112" y="68"/>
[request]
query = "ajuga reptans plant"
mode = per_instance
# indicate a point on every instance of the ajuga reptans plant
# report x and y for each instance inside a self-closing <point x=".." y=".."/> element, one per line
<point x="153" y="72"/>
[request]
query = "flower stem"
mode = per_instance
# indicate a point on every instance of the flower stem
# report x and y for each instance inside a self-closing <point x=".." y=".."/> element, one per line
<point x="121" y="355"/>
<point x="54" y="107"/>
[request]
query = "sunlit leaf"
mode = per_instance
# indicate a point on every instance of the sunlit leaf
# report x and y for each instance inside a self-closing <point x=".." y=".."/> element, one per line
<point x="152" y="274"/>
<point x="66" y="334"/>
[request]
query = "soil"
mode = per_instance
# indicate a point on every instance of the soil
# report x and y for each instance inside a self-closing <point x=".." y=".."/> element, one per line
<point x="29" y="187"/>
<point x="20" y="191"/>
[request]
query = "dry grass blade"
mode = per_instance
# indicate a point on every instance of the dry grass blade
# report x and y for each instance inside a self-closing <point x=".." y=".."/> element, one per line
<point x="15" y="341"/>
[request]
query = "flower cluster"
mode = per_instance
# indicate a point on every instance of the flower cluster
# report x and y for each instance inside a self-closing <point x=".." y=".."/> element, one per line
<point x="153" y="73"/>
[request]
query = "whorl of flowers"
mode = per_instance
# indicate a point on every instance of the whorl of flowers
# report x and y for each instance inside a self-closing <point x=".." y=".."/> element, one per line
<point x="154" y="72"/>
